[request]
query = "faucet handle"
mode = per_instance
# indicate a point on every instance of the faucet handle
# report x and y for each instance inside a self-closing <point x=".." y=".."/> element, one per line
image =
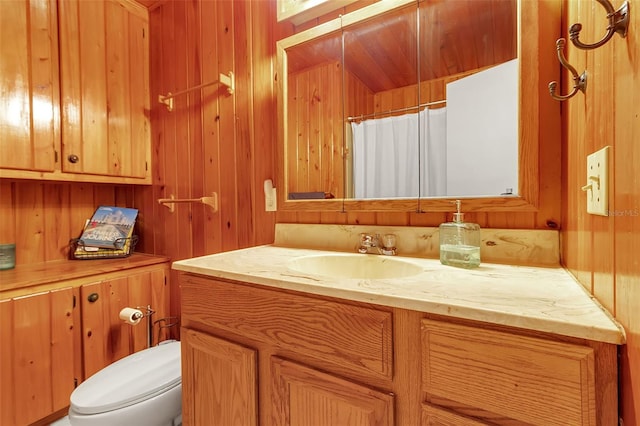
<point x="389" y="241"/>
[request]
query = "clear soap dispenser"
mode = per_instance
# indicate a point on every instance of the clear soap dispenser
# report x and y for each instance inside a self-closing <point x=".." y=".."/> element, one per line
<point x="460" y="242"/>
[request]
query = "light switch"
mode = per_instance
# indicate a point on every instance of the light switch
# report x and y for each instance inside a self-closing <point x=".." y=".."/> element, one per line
<point x="597" y="187"/>
<point x="270" y="196"/>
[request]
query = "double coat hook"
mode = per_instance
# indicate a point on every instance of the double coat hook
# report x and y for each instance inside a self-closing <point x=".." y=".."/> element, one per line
<point x="618" y="23"/>
<point x="579" y="81"/>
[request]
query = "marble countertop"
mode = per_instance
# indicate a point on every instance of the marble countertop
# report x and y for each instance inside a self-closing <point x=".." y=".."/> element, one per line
<point x="546" y="299"/>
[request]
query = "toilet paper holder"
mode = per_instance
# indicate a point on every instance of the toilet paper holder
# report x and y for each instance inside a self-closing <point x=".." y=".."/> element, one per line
<point x="133" y="316"/>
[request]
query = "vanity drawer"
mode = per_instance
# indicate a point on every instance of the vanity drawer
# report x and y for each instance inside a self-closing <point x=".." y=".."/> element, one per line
<point x="353" y="337"/>
<point x="505" y="378"/>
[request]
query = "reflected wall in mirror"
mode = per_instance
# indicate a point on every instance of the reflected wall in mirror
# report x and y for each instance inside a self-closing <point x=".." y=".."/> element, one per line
<point x="467" y="43"/>
<point x="314" y="126"/>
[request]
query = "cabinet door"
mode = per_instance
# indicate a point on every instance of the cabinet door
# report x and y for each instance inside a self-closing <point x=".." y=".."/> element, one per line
<point x="304" y="396"/>
<point x="219" y="381"/>
<point x="105" y="337"/>
<point x="28" y="70"/>
<point x="104" y="88"/>
<point x="36" y="355"/>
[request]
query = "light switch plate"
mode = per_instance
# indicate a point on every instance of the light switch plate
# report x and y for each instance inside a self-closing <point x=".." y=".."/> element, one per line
<point x="597" y="187"/>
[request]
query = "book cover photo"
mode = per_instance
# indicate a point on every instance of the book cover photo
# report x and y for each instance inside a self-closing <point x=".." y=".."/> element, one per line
<point x="109" y="227"/>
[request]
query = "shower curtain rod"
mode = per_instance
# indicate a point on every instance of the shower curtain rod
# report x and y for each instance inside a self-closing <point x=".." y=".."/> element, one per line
<point x="373" y="114"/>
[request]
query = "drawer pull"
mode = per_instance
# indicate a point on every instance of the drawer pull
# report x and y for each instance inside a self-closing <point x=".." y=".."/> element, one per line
<point x="93" y="297"/>
<point x="73" y="158"/>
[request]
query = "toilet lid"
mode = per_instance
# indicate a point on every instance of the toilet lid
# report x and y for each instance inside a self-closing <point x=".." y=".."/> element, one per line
<point x="130" y="380"/>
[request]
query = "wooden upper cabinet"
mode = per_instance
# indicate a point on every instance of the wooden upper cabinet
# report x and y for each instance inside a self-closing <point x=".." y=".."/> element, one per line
<point x="104" y="75"/>
<point x="28" y="70"/>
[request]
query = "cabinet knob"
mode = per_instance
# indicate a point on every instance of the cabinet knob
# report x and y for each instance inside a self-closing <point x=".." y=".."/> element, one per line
<point x="93" y="297"/>
<point x="73" y="158"/>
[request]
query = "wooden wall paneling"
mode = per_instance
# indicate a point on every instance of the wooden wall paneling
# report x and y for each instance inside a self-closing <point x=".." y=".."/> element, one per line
<point x="7" y="354"/>
<point x="315" y="136"/>
<point x="626" y="211"/>
<point x="30" y="225"/>
<point x="602" y="251"/>
<point x="577" y="250"/>
<point x="168" y="164"/>
<point x="183" y="145"/>
<point x="196" y="137"/>
<point x="32" y="363"/>
<point x="243" y="107"/>
<point x="602" y="133"/>
<point x="212" y="228"/>
<point x="264" y="127"/>
<point x="81" y="207"/>
<point x="153" y="225"/>
<point x="58" y="229"/>
<point x="163" y="76"/>
<point x="160" y="302"/>
<point x="7" y="213"/>
<point x="228" y="166"/>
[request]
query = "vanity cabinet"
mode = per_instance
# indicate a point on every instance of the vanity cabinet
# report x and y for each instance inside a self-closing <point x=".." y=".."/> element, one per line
<point x="77" y="78"/>
<point x="53" y="337"/>
<point x="272" y="356"/>
<point x="289" y="358"/>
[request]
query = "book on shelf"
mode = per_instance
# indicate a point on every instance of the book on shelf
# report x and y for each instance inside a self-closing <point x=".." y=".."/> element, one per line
<point x="109" y="228"/>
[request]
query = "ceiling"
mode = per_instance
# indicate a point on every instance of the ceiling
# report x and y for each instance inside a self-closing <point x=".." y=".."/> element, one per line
<point x="456" y="37"/>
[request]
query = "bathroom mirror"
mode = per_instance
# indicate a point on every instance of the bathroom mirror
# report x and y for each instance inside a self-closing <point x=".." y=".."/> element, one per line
<point x="316" y="177"/>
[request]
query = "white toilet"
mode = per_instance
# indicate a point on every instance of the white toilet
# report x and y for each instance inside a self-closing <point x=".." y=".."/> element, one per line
<point x="142" y="389"/>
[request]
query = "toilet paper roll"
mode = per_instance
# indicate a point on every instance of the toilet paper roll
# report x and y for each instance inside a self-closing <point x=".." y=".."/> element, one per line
<point x="131" y="316"/>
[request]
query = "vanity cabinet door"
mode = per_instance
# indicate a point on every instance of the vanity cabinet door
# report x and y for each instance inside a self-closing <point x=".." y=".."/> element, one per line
<point x="104" y="74"/>
<point x="509" y="379"/>
<point x="305" y="396"/>
<point x="37" y="357"/>
<point x="219" y="381"/>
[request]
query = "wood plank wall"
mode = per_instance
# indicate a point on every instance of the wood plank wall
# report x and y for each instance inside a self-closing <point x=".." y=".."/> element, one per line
<point x="212" y="141"/>
<point x="604" y="252"/>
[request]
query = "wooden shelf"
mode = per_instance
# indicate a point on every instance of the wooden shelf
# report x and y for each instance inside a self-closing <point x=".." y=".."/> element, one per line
<point x="27" y="279"/>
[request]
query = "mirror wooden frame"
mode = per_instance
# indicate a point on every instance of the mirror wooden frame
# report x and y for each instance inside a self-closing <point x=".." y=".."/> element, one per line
<point x="538" y="25"/>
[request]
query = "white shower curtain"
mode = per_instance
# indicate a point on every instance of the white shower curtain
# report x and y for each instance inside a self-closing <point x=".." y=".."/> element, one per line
<point x="388" y="161"/>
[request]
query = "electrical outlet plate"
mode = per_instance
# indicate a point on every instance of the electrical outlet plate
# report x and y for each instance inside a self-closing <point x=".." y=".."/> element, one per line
<point x="597" y="187"/>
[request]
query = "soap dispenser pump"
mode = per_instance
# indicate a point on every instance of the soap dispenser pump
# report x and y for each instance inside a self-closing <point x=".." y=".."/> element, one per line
<point x="460" y="241"/>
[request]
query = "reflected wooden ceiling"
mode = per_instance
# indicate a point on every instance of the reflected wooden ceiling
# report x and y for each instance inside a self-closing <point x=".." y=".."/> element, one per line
<point x="456" y="36"/>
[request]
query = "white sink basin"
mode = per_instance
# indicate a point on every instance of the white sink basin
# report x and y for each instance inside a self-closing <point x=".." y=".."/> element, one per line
<point x="348" y="265"/>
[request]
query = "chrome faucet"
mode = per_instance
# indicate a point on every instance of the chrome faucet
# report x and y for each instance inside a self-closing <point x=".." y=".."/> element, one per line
<point x="373" y="242"/>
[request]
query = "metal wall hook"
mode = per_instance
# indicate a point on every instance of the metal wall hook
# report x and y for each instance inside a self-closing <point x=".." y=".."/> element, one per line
<point x="618" y="23"/>
<point x="579" y="81"/>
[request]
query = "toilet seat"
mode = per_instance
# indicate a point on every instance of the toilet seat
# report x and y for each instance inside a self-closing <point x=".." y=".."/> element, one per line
<point x="130" y="380"/>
